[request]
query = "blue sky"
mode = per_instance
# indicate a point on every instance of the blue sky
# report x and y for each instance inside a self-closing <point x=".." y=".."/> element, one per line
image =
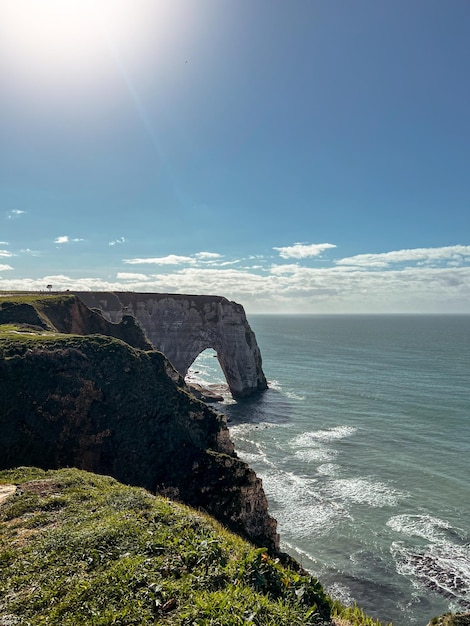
<point x="306" y="156"/>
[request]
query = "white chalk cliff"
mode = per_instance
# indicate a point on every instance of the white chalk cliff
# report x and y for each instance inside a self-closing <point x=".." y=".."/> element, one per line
<point x="183" y="326"/>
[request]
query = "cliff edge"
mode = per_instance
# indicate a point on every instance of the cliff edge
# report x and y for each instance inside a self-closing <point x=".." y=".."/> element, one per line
<point x="106" y="403"/>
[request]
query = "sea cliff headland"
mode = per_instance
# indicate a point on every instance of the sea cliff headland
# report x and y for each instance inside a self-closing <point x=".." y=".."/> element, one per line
<point x="77" y="390"/>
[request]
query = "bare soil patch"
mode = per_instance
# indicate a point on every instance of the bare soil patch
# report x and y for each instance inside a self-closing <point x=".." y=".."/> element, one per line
<point x="6" y="491"/>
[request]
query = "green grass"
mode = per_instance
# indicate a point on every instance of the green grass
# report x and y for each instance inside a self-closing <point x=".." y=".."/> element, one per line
<point x="19" y="331"/>
<point x="33" y="298"/>
<point x="77" y="548"/>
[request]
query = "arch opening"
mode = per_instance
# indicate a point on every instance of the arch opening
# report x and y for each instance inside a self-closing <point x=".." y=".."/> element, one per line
<point x="206" y="377"/>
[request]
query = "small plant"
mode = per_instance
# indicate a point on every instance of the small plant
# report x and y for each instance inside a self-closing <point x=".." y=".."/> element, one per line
<point x="265" y="575"/>
<point x="355" y="615"/>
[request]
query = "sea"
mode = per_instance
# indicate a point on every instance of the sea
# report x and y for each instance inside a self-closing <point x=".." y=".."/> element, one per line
<point x="362" y="442"/>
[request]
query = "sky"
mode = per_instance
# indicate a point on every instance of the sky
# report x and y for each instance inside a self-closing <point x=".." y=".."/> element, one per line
<point x="301" y="156"/>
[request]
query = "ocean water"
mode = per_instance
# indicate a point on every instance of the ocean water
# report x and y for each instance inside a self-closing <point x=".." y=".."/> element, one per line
<point x="363" y="444"/>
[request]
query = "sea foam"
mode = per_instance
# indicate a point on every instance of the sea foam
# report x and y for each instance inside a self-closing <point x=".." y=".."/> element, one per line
<point x="442" y="563"/>
<point x="363" y="491"/>
<point x="443" y="567"/>
<point x="330" y="434"/>
<point x="428" y="527"/>
<point x="301" y="509"/>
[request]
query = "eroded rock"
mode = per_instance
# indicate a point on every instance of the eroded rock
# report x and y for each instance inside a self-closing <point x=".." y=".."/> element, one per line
<point x="183" y="326"/>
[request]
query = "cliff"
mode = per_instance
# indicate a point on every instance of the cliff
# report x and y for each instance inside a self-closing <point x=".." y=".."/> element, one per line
<point x="106" y="403"/>
<point x="67" y="314"/>
<point x="183" y="326"/>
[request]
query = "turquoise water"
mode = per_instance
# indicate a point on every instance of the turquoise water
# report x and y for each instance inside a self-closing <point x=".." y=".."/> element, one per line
<point x="363" y="445"/>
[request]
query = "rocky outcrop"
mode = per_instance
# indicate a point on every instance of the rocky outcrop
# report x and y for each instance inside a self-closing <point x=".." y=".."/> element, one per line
<point x="455" y="619"/>
<point x="68" y="314"/>
<point x="183" y="326"/>
<point x="97" y="403"/>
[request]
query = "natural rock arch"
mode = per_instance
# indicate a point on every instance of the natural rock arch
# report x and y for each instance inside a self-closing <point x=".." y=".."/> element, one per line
<point x="183" y="326"/>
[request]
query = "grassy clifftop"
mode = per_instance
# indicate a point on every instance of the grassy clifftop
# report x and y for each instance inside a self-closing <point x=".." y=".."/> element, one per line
<point x="81" y="549"/>
<point x="65" y="313"/>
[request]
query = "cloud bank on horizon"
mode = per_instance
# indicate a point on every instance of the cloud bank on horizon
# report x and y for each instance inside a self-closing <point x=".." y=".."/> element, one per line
<point x="421" y="280"/>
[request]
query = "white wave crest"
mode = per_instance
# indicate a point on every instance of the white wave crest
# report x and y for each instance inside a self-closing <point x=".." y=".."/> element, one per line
<point x="300" y="508"/>
<point x="245" y="428"/>
<point x="274" y="384"/>
<point x="443" y="567"/>
<point x="425" y="526"/>
<point x="363" y="491"/>
<point x="319" y="453"/>
<point x="294" y="396"/>
<point x="340" y="592"/>
<point x="254" y="453"/>
<point x="328" y="469"/>
<point x="330" y="434"/>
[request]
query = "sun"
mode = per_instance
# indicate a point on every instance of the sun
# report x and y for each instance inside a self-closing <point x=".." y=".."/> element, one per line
<point x="50" y="40"/>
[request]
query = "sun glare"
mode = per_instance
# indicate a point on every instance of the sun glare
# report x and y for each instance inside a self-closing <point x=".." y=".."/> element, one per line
<point x="46" y="39"/>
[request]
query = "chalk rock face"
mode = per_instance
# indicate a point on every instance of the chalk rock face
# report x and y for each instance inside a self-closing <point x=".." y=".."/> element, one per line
<point x="183" y="326"/>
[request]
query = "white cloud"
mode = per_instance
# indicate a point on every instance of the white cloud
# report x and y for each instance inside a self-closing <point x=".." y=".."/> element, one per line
<point x="226" y="263"/>
<point x="117" y="241"/>
<point x="66" y="239"/>
<point x="297" y="288"/>
<point x="132" y="276"/>
<point x="5" y="253"/>
<point x="212" y="281"/>
<point x="15" y="213"/>
<point x="171" y="259"/>
<point x="207" y="255"/>
<point x="31" y="252"/>
<point x="174" y="259"/>
<point x="455" y="255"/>
<point x="284" y="269"/>
<point x="4" y="243"/>
<point x="4" y="268"/>
<point x="303" y="251"/>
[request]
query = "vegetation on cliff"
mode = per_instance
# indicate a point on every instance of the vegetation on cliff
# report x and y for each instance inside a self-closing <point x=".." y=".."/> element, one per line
<point x="77" y="548"/>
<point x="65" y="313"/>
<point x="95" y="402"/>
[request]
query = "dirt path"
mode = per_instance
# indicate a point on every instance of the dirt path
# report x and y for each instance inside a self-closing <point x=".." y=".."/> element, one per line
<point x="6" y="491"/>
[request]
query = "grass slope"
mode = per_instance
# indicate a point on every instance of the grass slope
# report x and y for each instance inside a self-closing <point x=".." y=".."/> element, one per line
<point x="77" y="548"/>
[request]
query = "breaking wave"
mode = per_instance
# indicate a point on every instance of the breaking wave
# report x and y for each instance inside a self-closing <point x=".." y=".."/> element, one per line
<point x="441" y="562"/>
<point x="329" y="434"/>
<point x="364" y="491"/>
